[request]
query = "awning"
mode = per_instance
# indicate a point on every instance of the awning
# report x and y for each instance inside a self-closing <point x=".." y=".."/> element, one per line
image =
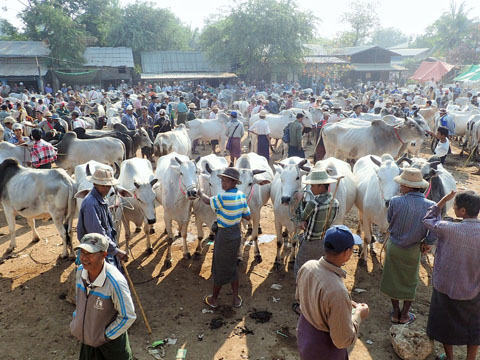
<point x="20" y="70"/>
<point x="187" y="76"/>
<point x="377" y="67"/>
<point x="431" y="70"/>
<point x="472" y="73"/>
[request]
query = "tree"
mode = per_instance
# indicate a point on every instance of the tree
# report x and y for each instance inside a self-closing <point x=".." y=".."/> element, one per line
<point x="257" y="35"/>
<point x="363" y="19"/>
<point x="9" y="32"/>
<point x="143" y="27"/>
<point x="98" y="18"/>
<point x="388" y="37"/>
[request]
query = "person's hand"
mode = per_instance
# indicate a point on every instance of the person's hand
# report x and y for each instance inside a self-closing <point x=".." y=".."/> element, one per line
<point x="299" y="196"/>
<point x="362" y="310"/>
<point x="446" y="198"/>
<point x="302" y="225"/>
<point x="425" y="248"/>
<point x="29" y="163"/>
<point x="122" y="255"/>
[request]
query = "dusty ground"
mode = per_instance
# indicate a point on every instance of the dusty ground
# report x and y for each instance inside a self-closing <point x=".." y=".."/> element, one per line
<point x="34" y="316"/>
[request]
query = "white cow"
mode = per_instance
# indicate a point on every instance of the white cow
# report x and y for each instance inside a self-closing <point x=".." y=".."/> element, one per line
<point x="472" y="135"/>
<point x="176" y="140"/>
<point x="53" y="197"/>
<point x="354" y="138"/>
<point x="461" y="119"/>
<point x="210" y="129"/>
<point x="375" y="189"/>
<point x="178" y="179"/>
<point x="287" y="181"/>
<point x="210" y="166"/>
<point x="136" y="175"/>
<point x="256" y="176"/>
<point x="241" y="106"/>
<point x="347" y="187"/>
<point x="20" y="153"/>
<point x="112" y="121"/>
<point x="73" y="151"/>
<point x="1" y="132"/>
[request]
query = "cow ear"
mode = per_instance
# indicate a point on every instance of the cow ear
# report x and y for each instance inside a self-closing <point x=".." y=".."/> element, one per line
<point x="137" y="185"/>
<point x="153" y="182"/>
<point x="123" y="192"/>
<point x="82" y="194"/>
<point x="375" y="161"/>
<point x="208" y="168"/>
<point x="261" y="182"/>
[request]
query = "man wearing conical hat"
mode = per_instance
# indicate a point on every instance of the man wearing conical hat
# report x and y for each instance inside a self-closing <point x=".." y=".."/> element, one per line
<point x="408" y="239"/>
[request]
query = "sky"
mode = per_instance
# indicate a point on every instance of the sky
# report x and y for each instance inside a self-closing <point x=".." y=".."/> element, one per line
<point x="410" y="16"/>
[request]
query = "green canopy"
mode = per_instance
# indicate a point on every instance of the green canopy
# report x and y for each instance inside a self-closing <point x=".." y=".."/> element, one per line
<point x="470" y="74"/>
<point x="84" y="77"/>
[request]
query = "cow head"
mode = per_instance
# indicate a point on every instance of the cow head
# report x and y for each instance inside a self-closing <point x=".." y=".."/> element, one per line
<point x="145" y="195"/>
<point x="212" y="184"/>
<point x="187" y="171"/>
<point x="249" y="179"/>
<point x="410" y="130"/>
<point x="142" y="139"/>
<point x="291" y="178"/>
<point x="386" y="171"/>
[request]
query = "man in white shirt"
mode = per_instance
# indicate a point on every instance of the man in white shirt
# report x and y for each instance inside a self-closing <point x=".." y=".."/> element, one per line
<point x="443" y="145"/>
<point x="336" y="116"/>
<point x="257" y="108"/>
<point x="214" y="113"/>
<point x="262" y="130"/>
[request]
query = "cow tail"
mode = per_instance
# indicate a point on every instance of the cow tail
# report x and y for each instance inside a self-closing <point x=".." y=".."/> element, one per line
<point x="71" y="209"/>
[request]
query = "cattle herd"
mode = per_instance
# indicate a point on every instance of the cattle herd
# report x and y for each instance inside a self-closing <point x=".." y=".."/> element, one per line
<point x="366" y="151"/>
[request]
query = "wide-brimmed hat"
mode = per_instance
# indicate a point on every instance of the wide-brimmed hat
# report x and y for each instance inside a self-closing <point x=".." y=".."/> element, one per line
<point x="103" y="177"/>
<point x="93" y="243"/>
<point x="231" y="173"/>
<point x="9" y="120"/>
<point x="262" y="113"/>
<point x="443" y="110"/>
<point x="319" y="177"/>
<point x="215" y="107"/>
<point x="412" y="178"/>
<point x="192" y="106"/>
<point x="47" y="114"/>
<point x="55" y="116"/>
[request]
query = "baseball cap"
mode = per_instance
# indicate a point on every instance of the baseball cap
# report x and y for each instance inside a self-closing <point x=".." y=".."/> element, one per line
<point x="93" y="243"/>
<point x="339" y="238"/>
<point x="17" y="126"/>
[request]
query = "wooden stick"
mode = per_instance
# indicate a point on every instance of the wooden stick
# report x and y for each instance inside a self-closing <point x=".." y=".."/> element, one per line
<point x="136" y="297"/>
<point x="330" y="207"/>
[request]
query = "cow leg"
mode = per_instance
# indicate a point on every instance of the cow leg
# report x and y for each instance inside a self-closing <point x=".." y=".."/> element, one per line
<point x="243" y="224"/>
<point x="183" y="230"/>
<point x="57" y="220"/>
<point x="128" y="234"/>
<point x="10" y="216"/>
<point x="146" y="230"/>
<point x="280" y="240"/>
<point x="198" y="250"/>
<point x="168" y="228"/>
<point x="31" y="223"/>
<point x="256" y="222"/>
<point x="367" y="239"/>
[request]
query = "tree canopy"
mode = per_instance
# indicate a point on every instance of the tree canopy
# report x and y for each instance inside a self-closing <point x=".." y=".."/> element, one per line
<point x="256" y="35"/>
<point x="362" y="18"/>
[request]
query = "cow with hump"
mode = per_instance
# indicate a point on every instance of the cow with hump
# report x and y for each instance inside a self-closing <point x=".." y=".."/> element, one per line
<point x="36" y="194"/>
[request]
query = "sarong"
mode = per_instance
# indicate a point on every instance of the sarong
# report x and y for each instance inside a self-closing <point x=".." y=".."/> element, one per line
<point x="117" y="349"/>
<point x="224" y="263"/>
<point x="263" y="147"/>
<point x="236" y="149"/>
<point x="314" y="344"/>
<point x="454" y="322"/>
<point x="308" y="250"/>
<point x="400" y="272"/>
<point x="293" y="151"/>
<point x="181" y="118"/>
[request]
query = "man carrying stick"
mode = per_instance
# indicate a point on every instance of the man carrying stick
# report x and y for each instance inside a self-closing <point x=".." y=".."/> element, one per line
<point x="105" y="308"/>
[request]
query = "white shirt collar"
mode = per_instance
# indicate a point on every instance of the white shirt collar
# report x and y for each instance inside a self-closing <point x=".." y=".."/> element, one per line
<point x="99" y="281"/>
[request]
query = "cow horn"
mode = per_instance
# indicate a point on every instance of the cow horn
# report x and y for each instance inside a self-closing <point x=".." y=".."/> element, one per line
<point x="256" y="172"/>
<point x="404" y="158"/>
<point x="136" y="184"/>
<point x="208" y="168"/>
<point x="117" y="171"/>
<point x="302" y="166"/>
<point x="434" y="164"/>
<point x="178" y="160"/>
<point x="197" y="159"/>
<point x="89" y="173"/>
<point x="375" y="161"/>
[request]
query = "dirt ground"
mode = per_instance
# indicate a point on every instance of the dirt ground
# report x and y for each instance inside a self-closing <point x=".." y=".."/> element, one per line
<point x="34" y="315"/>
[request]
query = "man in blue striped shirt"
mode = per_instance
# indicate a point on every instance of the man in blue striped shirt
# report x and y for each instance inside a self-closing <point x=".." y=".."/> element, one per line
<point x="231" y="206"/>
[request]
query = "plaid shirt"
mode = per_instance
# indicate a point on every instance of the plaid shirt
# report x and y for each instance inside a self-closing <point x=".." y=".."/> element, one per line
<point x="456" y="272"/>
<point x="42" y="153"/>
<point x="315" y="213"/>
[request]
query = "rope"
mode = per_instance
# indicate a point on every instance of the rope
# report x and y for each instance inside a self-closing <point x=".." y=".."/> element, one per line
<point x="469" y="156"/>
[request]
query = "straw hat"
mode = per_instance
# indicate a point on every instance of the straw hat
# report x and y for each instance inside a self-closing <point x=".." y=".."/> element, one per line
<point x="47" y="114"/>
<point x="192" y="106"/>
<point x="215" y="107"/>
<point x="9" y="120"/>
<point x="262" y="113"/>
<point x="319" y="177"/>
<point x="412" y="178"/>
<point x="102" y="177"/>
<point x="231" y="173"/>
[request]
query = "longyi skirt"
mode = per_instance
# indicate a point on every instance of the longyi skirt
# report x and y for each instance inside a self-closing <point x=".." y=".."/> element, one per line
<point x="224" y="263"/>
<point x="454" y="322"/>
<point x="236" y="149"/>
<point x="263" y="147"/>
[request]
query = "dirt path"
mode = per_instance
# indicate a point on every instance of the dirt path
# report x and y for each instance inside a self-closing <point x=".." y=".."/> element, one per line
<point x="34" y="316"/>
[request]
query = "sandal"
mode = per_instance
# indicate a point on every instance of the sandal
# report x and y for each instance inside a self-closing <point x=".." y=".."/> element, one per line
<point x="411" y="319"/>
<point x="205" y="300"/>
<point x="441" y="357"/>
<point x="239" y="305"/>
<point x="391" y="317"/>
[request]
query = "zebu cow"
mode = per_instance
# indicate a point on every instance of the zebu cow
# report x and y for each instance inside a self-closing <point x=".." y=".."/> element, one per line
<point x="472" y="135"/>
<point x="375" y="189"/>
<point x="461" y="119"/>
<point x="53" y="196"/>
<point x="287" y="181"/>
<point x="1" y="132"/>
<point x="177" y="175"/>
<point x="256" y="176"/>
<point x="462" y="101"/>
<point x="176" y="140"/>
<point x="354" y="138"/>
<point x="210" y="129"/>
<point x="210" y="166"/>
<point x="73" y="151"/>
<point x="347" y="187"/>
<point x="441" y="181"/>
<point x="429" y="115"/>
<point x="241" y="106"/>
<point x="136" y="175"/>
<point x="20" y="153"/>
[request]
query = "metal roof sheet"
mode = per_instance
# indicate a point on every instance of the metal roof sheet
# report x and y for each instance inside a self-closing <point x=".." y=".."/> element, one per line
<point x="377" y="67"/>
<point x="23" y="49"/>
<point x="108" y="56"/>
<point x="324" y="60"/>
<point x="187" y="76"/>
<point x="410" y="52"/>
<point x="160" y="62"/>
<point x="25" y="69"/>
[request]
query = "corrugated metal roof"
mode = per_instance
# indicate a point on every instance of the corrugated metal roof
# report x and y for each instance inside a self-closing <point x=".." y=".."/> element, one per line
<point x="349" y="51"/>
<point x="377" y="67"/>
<point x="23" y="49"/>
<point x="161" y="62"/>
<point x="108" y="56"/>
<point x="324" y="60"/>
<point x="411" y="52"/>
<point x="187" y="76"/>
<point x="19" y="70"/>
<point x="315" y="49"/>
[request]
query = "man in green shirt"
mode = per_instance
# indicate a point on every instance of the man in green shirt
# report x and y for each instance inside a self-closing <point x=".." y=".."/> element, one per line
<point x="295" y="143"/>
